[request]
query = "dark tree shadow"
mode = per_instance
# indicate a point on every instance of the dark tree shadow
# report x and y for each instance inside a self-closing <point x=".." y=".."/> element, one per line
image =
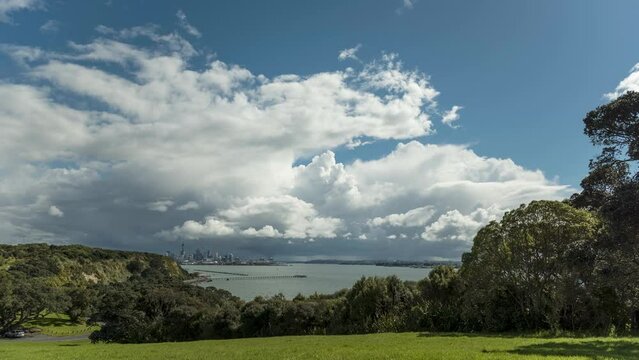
<point x="620" y="350"/>
<point x="489" y="335"/>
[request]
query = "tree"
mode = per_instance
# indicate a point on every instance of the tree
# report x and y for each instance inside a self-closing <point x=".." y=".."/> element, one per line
<point x="616" y="127"/>
<point x="525" y="272"/>
<point x="23" y="299"/>
<point x="612" y="185"/>
<point x="80" y="303"/>
<point x="135" y="266"/>
<point x="376" y="304"/>
<point x="141" y="310"/>
<point x="441" y="291"/>
<point x="612" y="189"/>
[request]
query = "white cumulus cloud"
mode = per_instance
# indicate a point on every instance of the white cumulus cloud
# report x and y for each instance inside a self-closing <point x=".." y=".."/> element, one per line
<point x="266" y="231"/>
<point x="414" y="217"/>
<point x="55" y="211"/>
<point x="350" y="53"/>
<point x="159" y="206"/>
<point x="210" y="227"/>
<point x="455" y="226"/>
<point x="232" y="147"/>
<point x="630" y="83"/>
<point x="8" y="7"/>
<point x="191" y="205"/>
<point x="451" y="116"/>
<point x="290" y="216"/>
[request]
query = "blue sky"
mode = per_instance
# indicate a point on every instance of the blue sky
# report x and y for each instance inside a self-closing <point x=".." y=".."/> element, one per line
<point x="525" y="74"/>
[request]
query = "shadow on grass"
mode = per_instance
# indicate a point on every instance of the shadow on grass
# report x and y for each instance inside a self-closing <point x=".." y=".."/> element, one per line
<point x="495" y="335"/>
<point x="68" y="345"/>
<point x="541" y="334"/>
<point x="618" y="350"/>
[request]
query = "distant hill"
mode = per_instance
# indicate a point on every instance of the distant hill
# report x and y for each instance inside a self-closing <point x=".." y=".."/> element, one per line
<point x="400" y="263"/>
<point x="78" y="265"/>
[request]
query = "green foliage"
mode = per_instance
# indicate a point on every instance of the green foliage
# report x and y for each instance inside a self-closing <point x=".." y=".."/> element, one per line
<point x="135" y="266"/>
<point x="616" y="126"/>
<point x="37" y="279"/>
<point x="80" y="265"/>
<point x="79" y="302"/>
<point x="148" y="310"/>
<point x="441" y="292"/>
<point x="377" y="305"/>
<point x="277" y="316"/>
<point x="612" y="190"/>
<point x="23" y="299"/>
<point x="529" y="270"/>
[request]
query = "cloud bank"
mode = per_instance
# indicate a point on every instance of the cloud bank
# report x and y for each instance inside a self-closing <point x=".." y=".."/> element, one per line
<point x="143" y="150"/>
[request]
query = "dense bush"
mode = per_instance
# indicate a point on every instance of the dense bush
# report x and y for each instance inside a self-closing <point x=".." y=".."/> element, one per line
<point x="528" y="270"/>
<point x="36" y="279"/>
<point x="143" y="311"/>
<point x="377" y="305"/>
<point x="440" y="296"/>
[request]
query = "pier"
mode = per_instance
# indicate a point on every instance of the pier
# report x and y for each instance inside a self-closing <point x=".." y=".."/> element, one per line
<point x="222" y="272"/>
<point x="198" y="280"/>
<point x="241" y="276"/>
<point x="260" y="277"/>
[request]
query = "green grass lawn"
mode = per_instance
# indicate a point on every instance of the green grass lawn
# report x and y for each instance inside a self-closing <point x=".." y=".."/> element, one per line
<point x="375" y="346"/>
<point x="59" y="325"/>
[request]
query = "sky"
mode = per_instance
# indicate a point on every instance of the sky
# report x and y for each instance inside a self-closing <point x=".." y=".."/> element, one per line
<point x="387" y="129"/>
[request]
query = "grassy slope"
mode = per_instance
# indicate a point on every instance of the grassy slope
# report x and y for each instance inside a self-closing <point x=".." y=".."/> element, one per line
<point x="376" y="346"/>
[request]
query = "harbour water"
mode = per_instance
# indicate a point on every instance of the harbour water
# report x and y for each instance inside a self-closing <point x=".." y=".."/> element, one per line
<point x="247" y="282"/>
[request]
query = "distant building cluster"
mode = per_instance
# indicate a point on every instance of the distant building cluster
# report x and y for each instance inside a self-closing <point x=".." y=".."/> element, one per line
<point x="208" y="257"/>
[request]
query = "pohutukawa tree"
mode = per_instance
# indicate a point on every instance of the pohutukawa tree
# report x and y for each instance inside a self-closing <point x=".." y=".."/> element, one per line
<point x="531" y="270"/>
<point x="612" y="189"/>
<point x="612" y="184"/>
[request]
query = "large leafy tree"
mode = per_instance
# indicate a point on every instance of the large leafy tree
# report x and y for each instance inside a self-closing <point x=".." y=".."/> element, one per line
<point x="23" y="299"/>
<point x="529" y="270"/>
<point x="612" y="185"/>
<point x="612" y="189"/>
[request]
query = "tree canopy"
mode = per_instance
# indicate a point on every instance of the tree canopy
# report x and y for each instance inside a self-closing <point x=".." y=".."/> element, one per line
<point x="526" y="270"/>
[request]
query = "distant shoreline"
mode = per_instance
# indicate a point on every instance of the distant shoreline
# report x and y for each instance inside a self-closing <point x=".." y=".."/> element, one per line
<point x="235" y="264"/>
<point x="411" y="264"/>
